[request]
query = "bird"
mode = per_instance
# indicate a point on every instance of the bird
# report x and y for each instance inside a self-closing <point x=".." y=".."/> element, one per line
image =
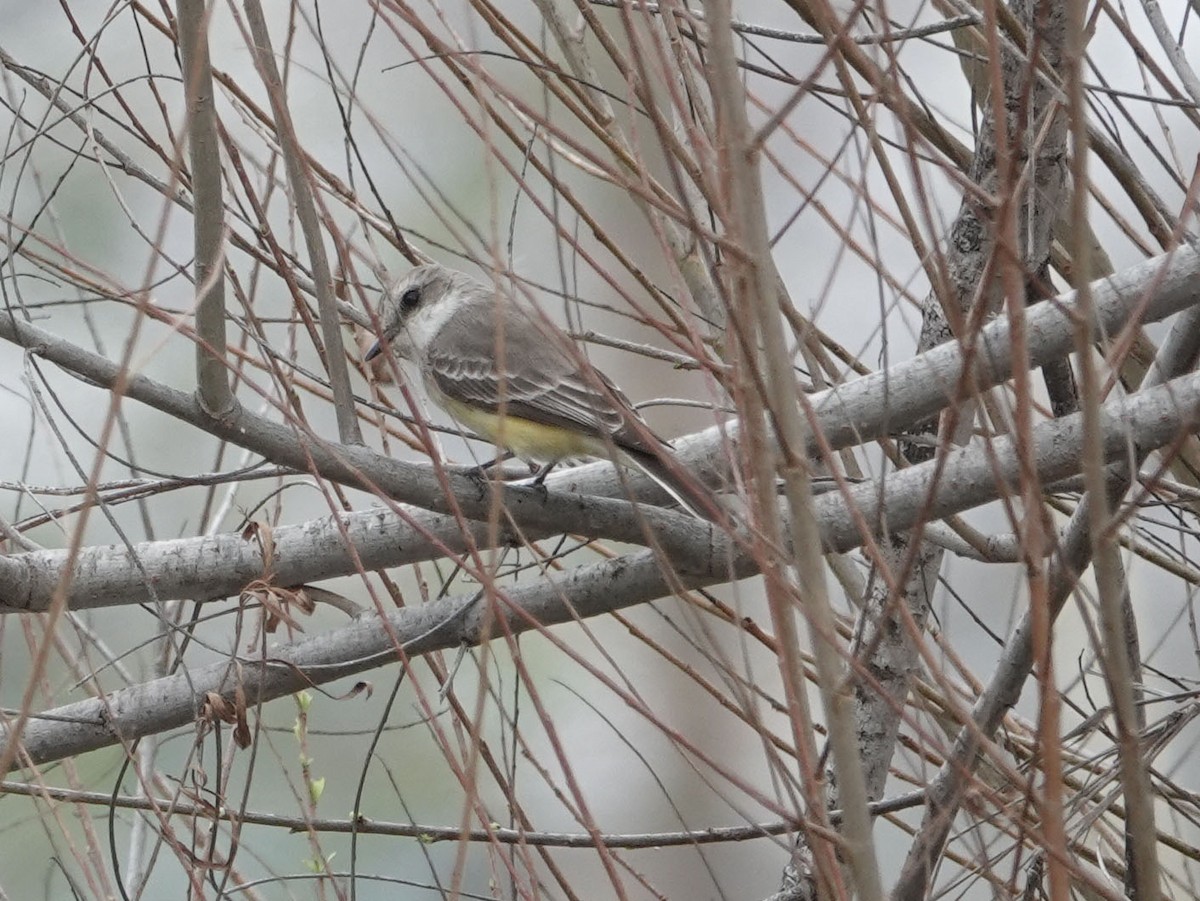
<point x="516" y="380"/>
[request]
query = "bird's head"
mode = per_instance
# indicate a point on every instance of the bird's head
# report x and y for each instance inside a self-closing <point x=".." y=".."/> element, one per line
<point x="414" y="307"/>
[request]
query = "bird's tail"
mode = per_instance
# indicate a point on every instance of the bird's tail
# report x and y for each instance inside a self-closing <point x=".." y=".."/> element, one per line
<point x="685" y="489"/>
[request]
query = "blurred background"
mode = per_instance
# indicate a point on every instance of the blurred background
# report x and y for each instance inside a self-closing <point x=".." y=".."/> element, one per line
<point x="660" y="719"/>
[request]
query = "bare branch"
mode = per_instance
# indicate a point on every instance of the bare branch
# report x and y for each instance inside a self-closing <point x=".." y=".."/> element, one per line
<point x="306" y="211"/>
<point x="204" y="148"/>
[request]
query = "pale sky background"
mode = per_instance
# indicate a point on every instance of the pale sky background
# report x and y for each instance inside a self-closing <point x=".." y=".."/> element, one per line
<point x="625" y="793"/>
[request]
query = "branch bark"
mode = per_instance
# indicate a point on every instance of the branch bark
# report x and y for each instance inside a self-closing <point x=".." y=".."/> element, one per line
<point x="969" y="476"/>
<point x="204" y="148"/>
<point x="851" y="413"/>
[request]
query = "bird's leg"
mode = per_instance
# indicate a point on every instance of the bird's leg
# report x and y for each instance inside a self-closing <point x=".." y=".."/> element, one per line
<point x="537" y="483"/>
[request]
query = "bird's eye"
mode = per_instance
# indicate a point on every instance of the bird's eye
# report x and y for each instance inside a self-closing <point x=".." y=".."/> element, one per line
<point x="409" y="299"/>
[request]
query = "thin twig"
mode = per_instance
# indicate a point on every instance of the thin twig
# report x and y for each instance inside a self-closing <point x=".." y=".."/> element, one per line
<point x="310" y="224"/>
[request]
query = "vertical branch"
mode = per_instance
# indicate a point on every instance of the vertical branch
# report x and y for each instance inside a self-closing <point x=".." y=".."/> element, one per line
<point x="212" y="374"/>
<point x="990" y="257"/>
<point x="1142" y="870"/>
<point x="310" y="225"/>
<point x="755" y="293"/>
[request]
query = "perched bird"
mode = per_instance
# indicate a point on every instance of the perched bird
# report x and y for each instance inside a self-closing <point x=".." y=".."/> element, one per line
<point x="517" y="381"/>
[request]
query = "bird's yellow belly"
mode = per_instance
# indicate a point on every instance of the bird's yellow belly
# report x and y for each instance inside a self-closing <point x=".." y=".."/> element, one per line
<point x="527" y="439"/>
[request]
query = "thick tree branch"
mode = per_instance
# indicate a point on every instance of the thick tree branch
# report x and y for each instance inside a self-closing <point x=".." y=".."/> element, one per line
<point x="968" y="477"/>
<point x="851" y="413"/>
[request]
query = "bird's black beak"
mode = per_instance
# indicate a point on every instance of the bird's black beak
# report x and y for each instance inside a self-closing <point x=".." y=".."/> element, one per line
<point x="376" y="350"/>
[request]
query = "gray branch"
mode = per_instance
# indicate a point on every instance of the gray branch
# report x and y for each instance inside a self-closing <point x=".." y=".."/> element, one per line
<point x="969" y="476"/>
<point x="204" y="146"/>
<point x="852" y="413"/>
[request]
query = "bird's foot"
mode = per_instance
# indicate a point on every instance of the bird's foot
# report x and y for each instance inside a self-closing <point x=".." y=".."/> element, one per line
<point x="539" y="479"/>
<point x="480" y="478"/>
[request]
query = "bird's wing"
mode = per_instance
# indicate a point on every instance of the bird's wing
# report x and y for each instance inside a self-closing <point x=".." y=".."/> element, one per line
<point x="546" y="395"/>
<point x="543" y="382"/>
